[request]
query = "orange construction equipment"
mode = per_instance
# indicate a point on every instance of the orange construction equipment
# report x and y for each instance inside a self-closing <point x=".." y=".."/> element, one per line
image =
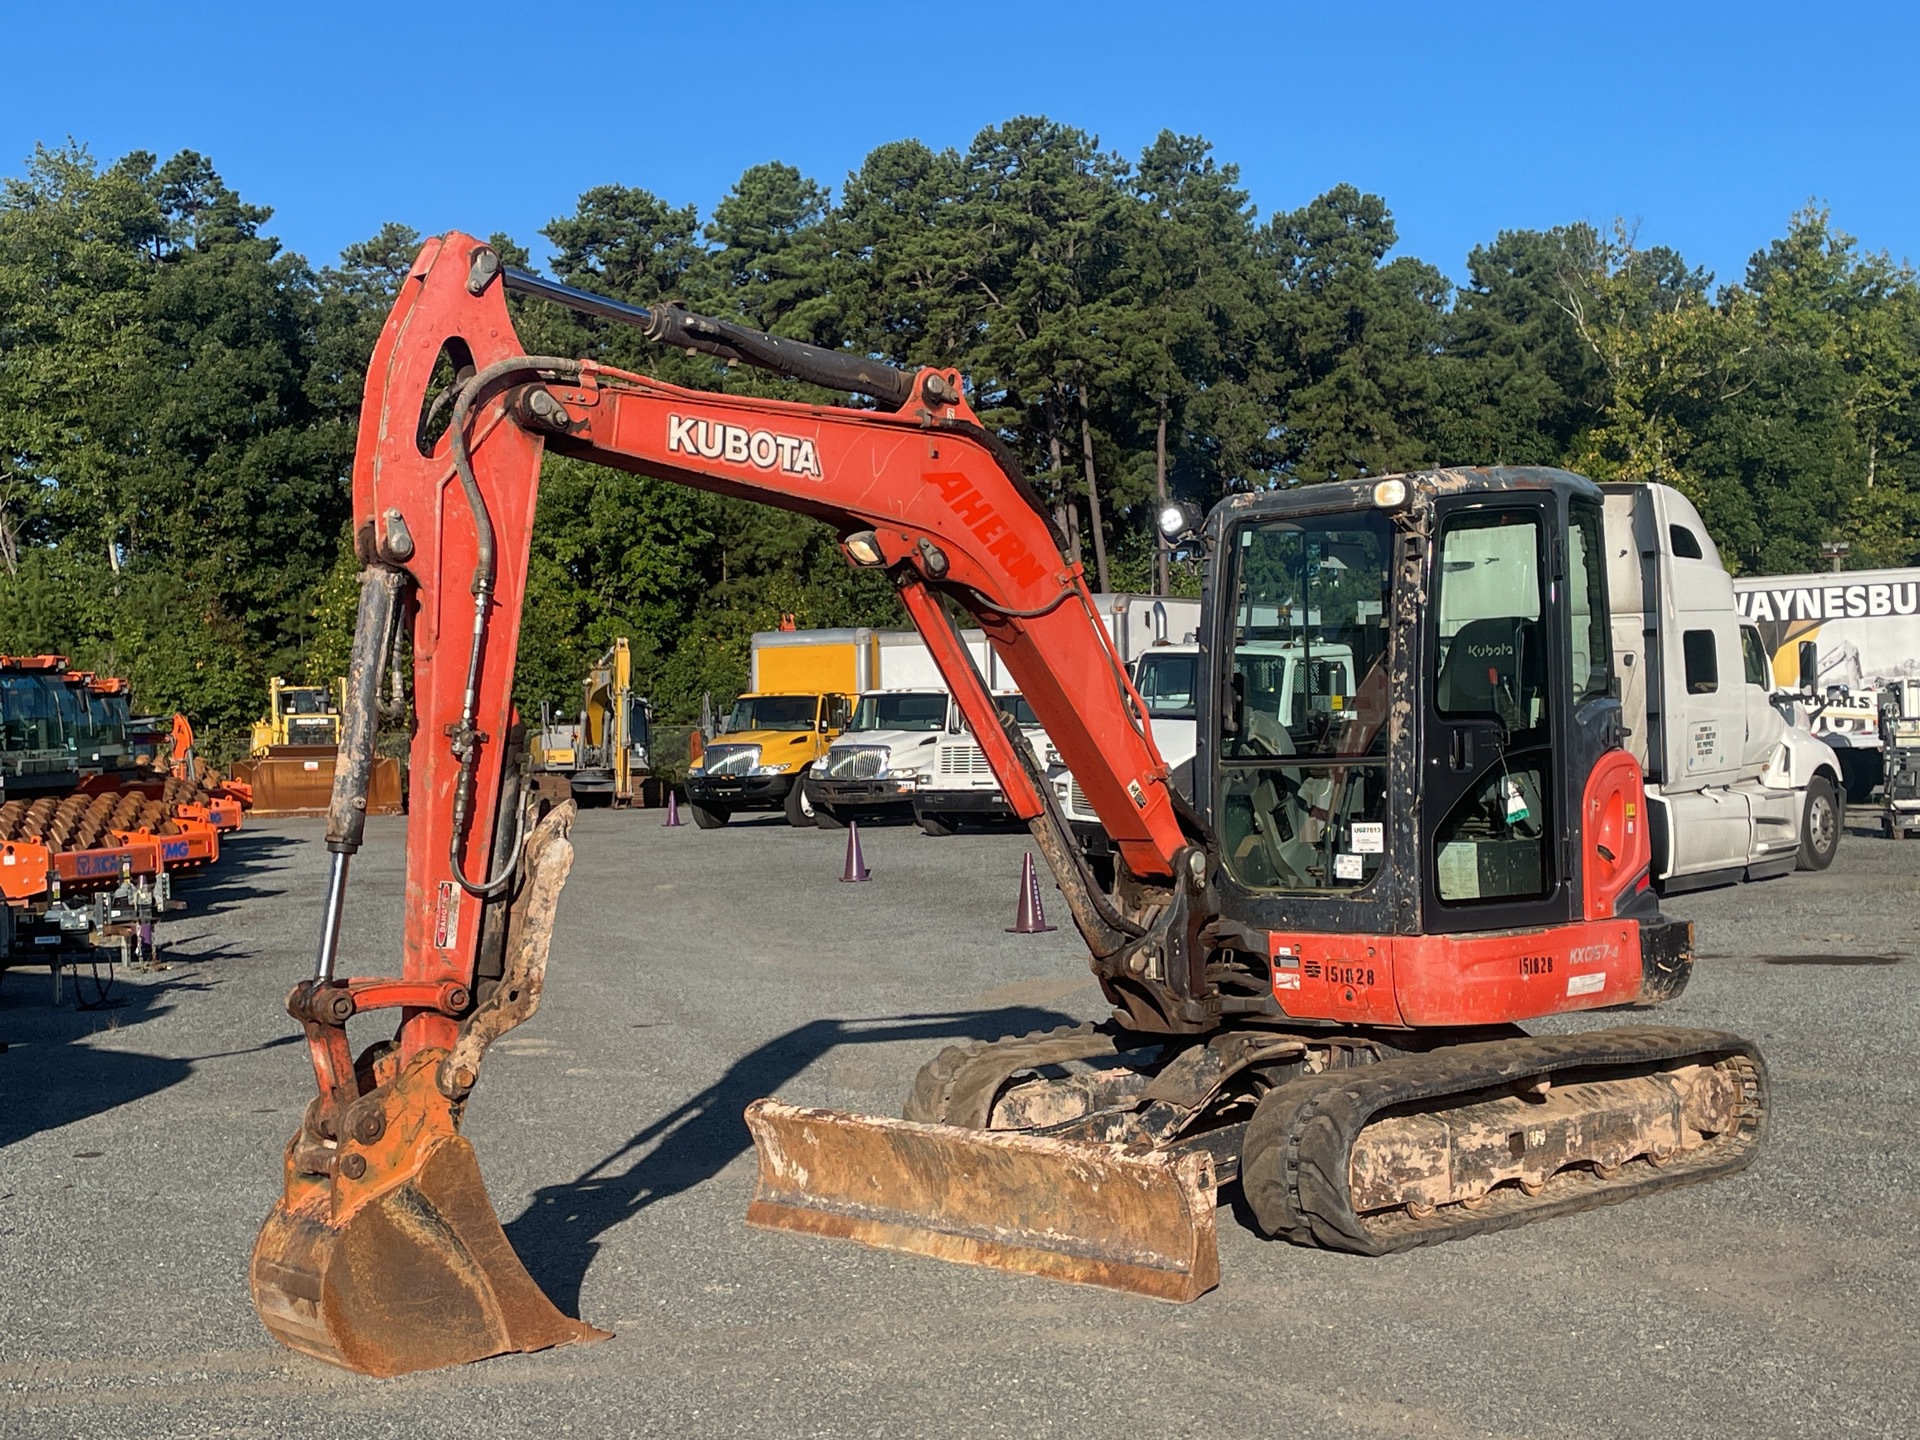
<point x="1317" y="953"/>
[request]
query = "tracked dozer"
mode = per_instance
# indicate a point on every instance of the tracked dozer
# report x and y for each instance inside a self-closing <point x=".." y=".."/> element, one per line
<point x="1319" y="962"/>
<point x="289" y="768"/>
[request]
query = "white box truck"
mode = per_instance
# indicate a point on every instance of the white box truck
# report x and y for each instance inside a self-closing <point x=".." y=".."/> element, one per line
<point x="886" y="753"/>
<point x="962" y="785"/>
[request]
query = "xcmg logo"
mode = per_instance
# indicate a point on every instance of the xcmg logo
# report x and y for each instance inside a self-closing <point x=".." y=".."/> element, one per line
<point x="762" y="449"/>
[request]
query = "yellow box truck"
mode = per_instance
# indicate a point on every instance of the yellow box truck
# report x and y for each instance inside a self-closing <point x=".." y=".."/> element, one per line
<point x="801" y="688"/>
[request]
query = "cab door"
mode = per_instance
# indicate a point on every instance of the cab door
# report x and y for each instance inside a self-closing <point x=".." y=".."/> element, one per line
<point x="1492" y="794"/>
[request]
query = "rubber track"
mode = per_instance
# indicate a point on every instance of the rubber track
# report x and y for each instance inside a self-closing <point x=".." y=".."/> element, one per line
<point x="1295" y="1164"/>
<point x="959" y="1085"/>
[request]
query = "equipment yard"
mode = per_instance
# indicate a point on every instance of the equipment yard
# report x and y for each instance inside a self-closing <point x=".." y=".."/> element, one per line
<point x="139" y="1152"/>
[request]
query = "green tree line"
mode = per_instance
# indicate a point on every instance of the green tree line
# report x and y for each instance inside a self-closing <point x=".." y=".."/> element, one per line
<point x="179" y="394"/>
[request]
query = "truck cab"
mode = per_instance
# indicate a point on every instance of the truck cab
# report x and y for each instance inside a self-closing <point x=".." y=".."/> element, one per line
<point x="880" y="760"/>
<point x="1734" y="791"/>
<point x="764" y="751"/>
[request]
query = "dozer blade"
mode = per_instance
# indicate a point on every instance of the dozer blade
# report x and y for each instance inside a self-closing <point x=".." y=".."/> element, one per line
<point x="293" y="780"/>
<point x="1066" y="1210"/>
<point x="405" y="1268"/>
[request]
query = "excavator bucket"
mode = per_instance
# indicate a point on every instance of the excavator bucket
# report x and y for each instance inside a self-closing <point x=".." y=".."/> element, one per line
<point x="1066" y="1210"/>
<point x="384" y="1254"/>
<point x="290" y="780"/>
<point x="408" y="1271"/>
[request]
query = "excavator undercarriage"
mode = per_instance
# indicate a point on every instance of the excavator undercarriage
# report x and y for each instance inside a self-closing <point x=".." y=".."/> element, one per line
<point x="1411" y="828"/>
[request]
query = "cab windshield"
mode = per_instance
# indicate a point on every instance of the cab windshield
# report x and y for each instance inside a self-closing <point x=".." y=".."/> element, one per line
<point x="304" y="702"/>
<point x="927" y="711"/>
<point x="1166" y="684"/>
<point x="1303" y="720"/>
<point x="771" y="712"/>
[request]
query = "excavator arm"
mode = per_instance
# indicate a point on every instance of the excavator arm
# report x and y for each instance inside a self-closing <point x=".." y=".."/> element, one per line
<point x="379" y="1184"/>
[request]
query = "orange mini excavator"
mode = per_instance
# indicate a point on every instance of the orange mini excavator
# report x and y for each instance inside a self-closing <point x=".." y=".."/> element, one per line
<point x="1409" y="828"/>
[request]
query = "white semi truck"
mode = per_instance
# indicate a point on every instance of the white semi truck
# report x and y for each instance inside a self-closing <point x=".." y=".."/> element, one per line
<point x="1734" y="790"/>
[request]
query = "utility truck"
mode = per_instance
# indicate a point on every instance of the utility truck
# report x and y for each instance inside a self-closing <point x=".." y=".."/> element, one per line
<point x="1847" y="643"/>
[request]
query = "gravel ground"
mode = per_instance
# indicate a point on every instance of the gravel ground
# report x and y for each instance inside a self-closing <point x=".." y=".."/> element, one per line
<point x="693" y="971"/>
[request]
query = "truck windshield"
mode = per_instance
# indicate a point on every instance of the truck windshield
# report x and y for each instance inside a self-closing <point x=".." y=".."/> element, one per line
<point x="772" y="712"/>
<point x="304" y="702"/>
<point x="926" y="711"/>
<point x="1166" y="684"/>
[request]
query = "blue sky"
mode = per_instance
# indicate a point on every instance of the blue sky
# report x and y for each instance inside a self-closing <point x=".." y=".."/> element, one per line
<point x="1705" y="126"/>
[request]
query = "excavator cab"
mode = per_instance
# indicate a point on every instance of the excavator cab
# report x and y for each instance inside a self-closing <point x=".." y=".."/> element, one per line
<point x="1448" y="703"/>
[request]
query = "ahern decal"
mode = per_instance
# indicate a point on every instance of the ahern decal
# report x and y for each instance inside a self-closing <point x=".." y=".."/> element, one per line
<point x="762" y="449"/>
<point x="977" y="512"/>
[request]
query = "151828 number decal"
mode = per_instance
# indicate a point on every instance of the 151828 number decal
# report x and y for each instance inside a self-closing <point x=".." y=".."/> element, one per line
<point x="1360" y="975"/>
<point x="1536" y="964"/>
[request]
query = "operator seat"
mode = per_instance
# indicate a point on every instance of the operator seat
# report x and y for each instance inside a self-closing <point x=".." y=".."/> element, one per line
<point x="1489" y="657"/>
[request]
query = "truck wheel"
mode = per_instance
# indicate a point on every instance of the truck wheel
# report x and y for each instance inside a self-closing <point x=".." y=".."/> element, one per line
<point x="932" y="824"/>
<point x="708" y="819"/>
<point x="829" y="818"/>
<point x="800" y="812"/>
<point x="1819" y="825"/>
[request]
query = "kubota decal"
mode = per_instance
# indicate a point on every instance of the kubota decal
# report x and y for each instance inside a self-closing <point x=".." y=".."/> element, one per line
<point x="979" y="516"/>
<point x="762" y="449"/>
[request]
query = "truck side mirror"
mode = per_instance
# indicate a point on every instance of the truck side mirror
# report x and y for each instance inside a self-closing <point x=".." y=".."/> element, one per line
<point x="1809" y="652"/>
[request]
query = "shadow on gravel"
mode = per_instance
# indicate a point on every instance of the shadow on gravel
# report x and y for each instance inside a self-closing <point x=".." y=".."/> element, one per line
<point x="558" y="1235"/>
<point x="48" y="1079"/>
<point x="245" y="862"/>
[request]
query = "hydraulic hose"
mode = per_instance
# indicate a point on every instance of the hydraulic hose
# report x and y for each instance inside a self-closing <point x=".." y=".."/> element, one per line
<point x="466" y="739"/>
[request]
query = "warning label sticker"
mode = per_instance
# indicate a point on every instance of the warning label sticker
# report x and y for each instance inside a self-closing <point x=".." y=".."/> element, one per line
<point x="1369" y="837"/>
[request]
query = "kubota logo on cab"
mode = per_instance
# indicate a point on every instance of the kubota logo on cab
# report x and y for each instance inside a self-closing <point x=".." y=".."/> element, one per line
<point x="762" y="449"/>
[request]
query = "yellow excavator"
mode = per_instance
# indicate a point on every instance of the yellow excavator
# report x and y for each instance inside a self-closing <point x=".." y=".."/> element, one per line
<point x="604" y="753"/>
<point x="290" y="758"/>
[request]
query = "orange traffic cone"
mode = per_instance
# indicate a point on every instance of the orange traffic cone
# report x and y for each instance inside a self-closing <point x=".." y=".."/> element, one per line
<point x="673" y="810"/>
<point x="856" y="862"/>
<point x="1029" y="919"/>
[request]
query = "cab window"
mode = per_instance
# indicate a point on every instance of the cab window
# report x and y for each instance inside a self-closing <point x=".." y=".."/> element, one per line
<point x="1303" y="732"/>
